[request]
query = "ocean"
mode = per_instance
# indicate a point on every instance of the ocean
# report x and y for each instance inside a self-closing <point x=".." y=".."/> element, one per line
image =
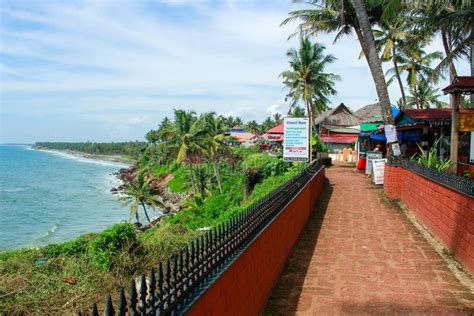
<point x="48" y="196"/>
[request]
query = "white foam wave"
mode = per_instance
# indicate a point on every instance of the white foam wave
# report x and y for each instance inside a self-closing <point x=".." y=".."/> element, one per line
<point x="12" y="190"/>
<point x="83" y="159"/>
<point x="50" y="232"/>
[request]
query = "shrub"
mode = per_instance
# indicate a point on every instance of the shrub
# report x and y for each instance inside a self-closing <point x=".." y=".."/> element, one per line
<point x="430" y="158"/>
<point x="276" y="167"/>
<point x="257" y="161"/>
<point x="110" y="242"/>
<point x="71" y="248"/>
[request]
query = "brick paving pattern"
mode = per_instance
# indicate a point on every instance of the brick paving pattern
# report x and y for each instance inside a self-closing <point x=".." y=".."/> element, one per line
<point x="359" y="255"/>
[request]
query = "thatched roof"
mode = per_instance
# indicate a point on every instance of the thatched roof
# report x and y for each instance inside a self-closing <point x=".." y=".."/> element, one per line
<point x="370" y="113"/>
<point x="339" y="116"/>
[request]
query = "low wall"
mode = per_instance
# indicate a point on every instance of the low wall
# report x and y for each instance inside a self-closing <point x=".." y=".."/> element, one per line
<point x="448" y="214"/>
<point x="244" y="287"/>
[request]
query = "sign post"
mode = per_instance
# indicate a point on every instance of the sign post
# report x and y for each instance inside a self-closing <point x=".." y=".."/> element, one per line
<point x="371" y="156"/>
<point x="296" y="139"/>
<point x="378" y="167"/>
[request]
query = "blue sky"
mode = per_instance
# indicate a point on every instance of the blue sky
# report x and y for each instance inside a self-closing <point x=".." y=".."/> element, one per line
<point x="103" y="70"/>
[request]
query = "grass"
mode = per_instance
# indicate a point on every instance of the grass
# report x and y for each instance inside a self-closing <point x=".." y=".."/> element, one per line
<point x="33" y="281"/>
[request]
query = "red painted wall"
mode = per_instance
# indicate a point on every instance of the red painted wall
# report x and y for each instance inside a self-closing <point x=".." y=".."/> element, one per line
<point x="448" y="215"/>
<point x="244" y="287"/>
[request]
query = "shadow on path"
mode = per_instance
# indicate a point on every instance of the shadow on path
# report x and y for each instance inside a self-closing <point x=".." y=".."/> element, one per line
<point x="284" y="297"/>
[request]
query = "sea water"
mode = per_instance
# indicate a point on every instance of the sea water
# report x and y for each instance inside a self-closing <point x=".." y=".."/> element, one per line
<point x="48" y="196"/>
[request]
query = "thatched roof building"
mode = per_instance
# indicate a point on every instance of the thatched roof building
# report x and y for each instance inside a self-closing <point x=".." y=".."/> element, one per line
<point x="340" y="116"/>
<point x="370" y="113"/>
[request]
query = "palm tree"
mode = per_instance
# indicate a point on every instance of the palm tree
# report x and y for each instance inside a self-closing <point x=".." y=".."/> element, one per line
<point x="392" y="39"/>
<point x="307" y="80"/>
<point x="253" y="127"/>
<point x="184" y="132"/>
<point x="417" y="63"/>
<point x="213" y="145"/>
<point x="277" y="118"/>
<point x="424" y="95"/>
<point x="345" y="17"/>
<point x="267" y="124"/>
<point x="140" y="192"/>
<point x="297" y="111"/>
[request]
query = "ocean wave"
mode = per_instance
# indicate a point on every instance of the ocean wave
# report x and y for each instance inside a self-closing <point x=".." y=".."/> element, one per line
<point x="8" y="190"/>
<point x="83" y="159"/>
<point x="50" y="232"/>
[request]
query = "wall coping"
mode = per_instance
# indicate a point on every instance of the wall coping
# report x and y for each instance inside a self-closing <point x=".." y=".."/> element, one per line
<point x="452" y="181"/>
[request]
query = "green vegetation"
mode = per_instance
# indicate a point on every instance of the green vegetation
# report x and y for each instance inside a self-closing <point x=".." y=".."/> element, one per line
<point x="130" y="150"/>
<point x="190" y="156"/>
<point x="431" y="159"/>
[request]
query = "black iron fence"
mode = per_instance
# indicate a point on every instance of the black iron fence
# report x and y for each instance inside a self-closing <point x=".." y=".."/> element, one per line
<point x="453" y="181"/>
<point x="177" y="283"/>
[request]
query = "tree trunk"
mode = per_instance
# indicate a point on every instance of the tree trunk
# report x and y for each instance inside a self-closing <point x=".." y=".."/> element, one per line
<point x="192" y="177"/>
<point x="455" y="132"/>
<point x="310" y="124"/>
<point x="144" y="210"/>
<point x="217" y="174"/>
<point x="472" y="67"/>
<point x="452" y="69"/>
<point x="397" y="74"/>
<point x="375" y="65"/>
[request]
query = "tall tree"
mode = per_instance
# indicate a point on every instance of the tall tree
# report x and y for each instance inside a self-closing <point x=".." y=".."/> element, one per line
<point x="343" y="18"/>
<point x="253" y="127"/>
<point x="375" y="65"/>
<point x="417" y="64"/>
<point x="184" y="132"/>
<point x="140" y="192"/>
<point x="297" y="111"/>
<point x="423" y="95"/>
<point x="214" y="145"/>
<point x="307" y="81"/>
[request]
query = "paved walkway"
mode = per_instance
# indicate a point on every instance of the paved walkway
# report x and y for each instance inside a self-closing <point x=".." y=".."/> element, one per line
<point x="358" y="255"/>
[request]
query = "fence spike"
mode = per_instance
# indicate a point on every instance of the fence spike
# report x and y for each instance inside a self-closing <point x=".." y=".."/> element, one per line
<point x="133" y="298"/>
<point x="168" y="275"/>
<point x="122" y="308"/>
<point x="152" y="288"/>
<point x="94" y="310"/>
<point x="109" y="308"/>
<point x="143" y="292"/>
<point x="175" y="270"/>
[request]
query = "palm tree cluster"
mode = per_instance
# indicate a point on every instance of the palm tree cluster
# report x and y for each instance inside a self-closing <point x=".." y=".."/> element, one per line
<point x="397" y="32"/>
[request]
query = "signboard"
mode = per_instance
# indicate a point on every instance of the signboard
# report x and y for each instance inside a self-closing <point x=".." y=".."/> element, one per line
<point x="466" y="122"/>
<point x="371" y="156"/>
<point x="296" y="139"/>
<point x="378" y="166"/>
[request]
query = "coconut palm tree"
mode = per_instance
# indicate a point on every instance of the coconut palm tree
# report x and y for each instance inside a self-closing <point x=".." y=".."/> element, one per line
<point x="423" y="96"/>
<point x="307" y="81"/>
<point x="253" y="127"/>
<point x="344" y="17"/>
<point x="393" y="39"/>
<point x="185" y="132"/>
<point x="140" y="192"/>
<point x="297" y="111"/>
<point x="213" y="145"/>
<point x="277" y="118"/>
<point x="417" y="64"/>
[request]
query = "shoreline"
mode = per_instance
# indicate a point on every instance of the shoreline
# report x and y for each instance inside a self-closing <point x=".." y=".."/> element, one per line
<point x="108" y="158"/>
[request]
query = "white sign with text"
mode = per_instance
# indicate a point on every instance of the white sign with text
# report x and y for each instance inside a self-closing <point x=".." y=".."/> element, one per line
<point x="378" y="167"/>
<point x="296" y="139"/>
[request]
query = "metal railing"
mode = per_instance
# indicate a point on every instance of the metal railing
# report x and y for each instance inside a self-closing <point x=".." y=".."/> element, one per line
<point x="177" y="283"/>
<point x="453" y="181"/>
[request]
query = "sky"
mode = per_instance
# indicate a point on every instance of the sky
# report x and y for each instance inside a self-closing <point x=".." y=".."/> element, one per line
<point x="110" y="70"/>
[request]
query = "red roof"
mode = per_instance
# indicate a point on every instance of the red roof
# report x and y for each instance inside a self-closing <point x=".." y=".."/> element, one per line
<point x="462" y="84"/>
<point x="428" y="114"/>
<point x="276" y="130"/>
<point x="432" y="114"/>
<point x="340" y="139"/>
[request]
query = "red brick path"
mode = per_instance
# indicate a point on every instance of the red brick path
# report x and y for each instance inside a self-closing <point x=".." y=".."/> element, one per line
<point x="359" y="255"/>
